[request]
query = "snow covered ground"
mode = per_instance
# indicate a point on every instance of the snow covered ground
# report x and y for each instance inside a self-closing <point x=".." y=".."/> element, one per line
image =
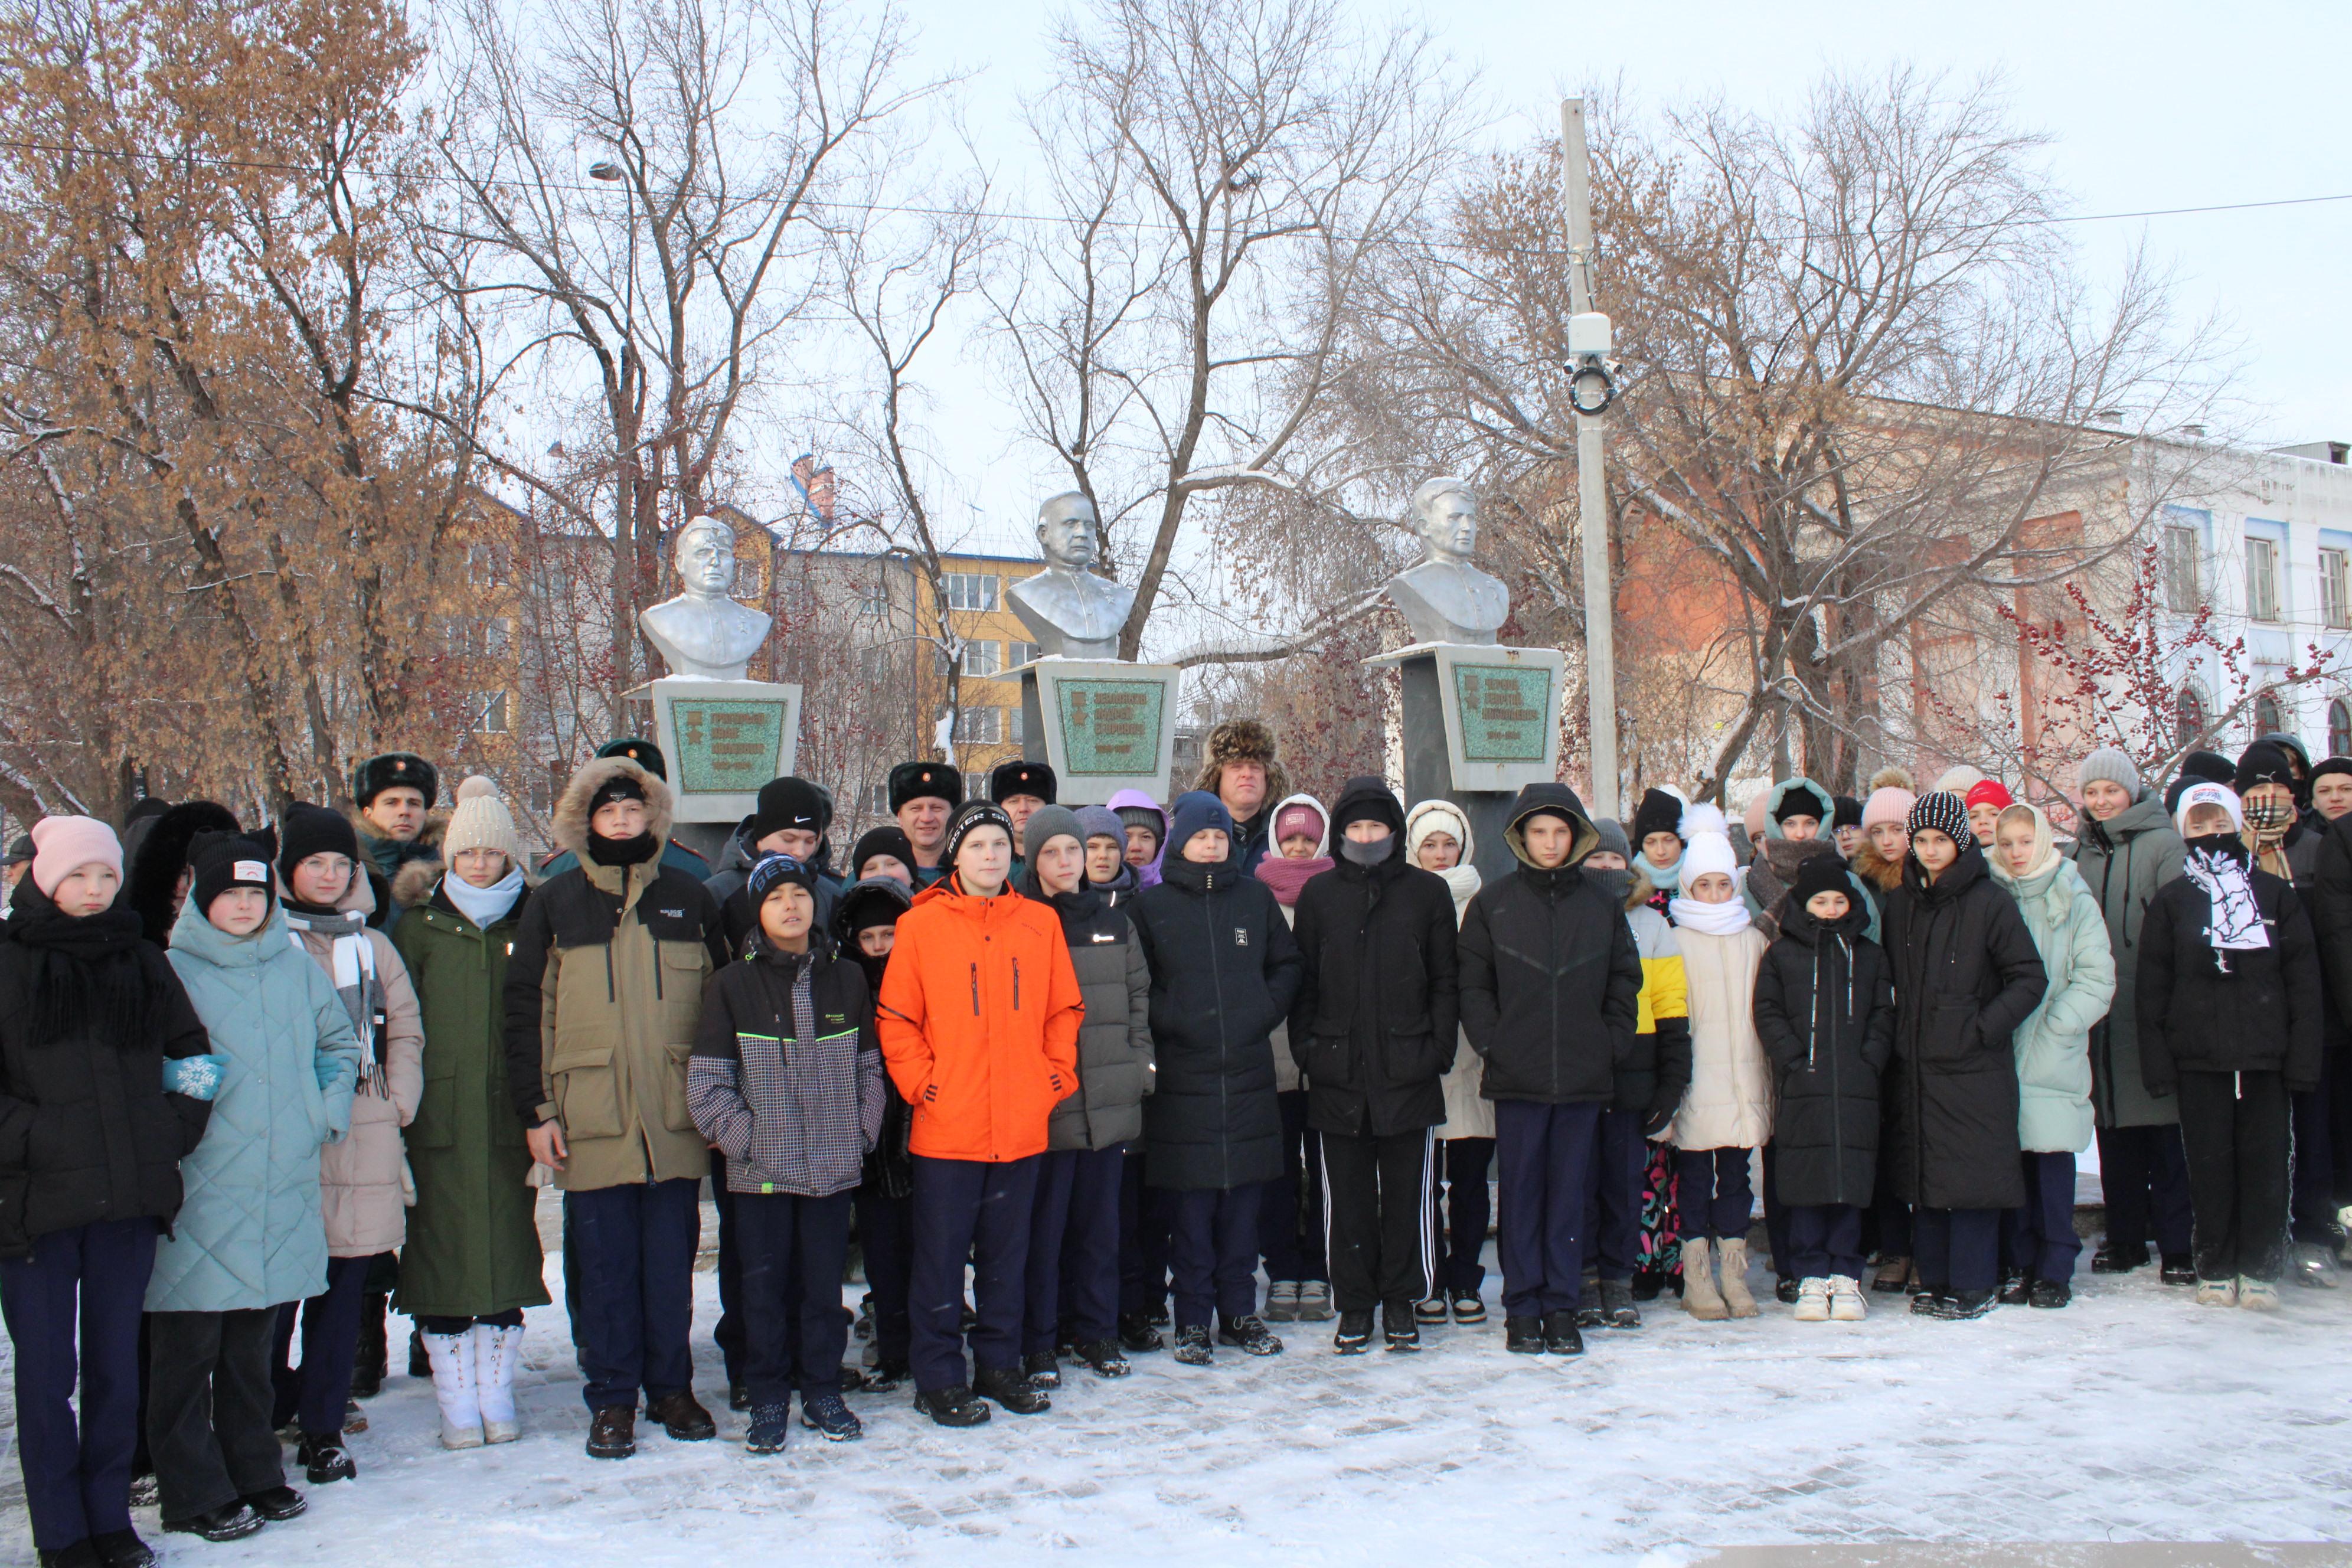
<point x="2132" y="1415"/>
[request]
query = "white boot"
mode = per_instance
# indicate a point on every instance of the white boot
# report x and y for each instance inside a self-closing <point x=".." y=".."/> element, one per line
<point x="1701" y="1300"/>
<point x="452" y="1356"/>
<point x="1847" y="1303"/>
<point x="1736" y="1297"/>
<point x="496" y="1351"/>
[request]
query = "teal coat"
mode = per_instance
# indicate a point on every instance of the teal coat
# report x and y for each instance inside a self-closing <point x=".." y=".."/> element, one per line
<point x="2053" y="1044"/>
<point x="251" y="1232"/>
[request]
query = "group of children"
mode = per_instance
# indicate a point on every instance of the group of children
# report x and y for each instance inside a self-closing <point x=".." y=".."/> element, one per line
<point x="1107" y="1063"/>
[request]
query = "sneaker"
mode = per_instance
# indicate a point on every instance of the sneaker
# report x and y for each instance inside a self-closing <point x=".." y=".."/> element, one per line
<point x="1928" y="1304"/>
<point x="885" y="1377"/>
<point x="1281" y="1301"/>
<point x="829" y="1418"/>
<point x="1559" y="1334"/>
<point x="953" y="1408"/>
<point x="1012" y="1390"/>
<point x="1523" y="1336"/>
<point x="1433" y="1310"/>
<point x="2178" y="1268"/>
<point x="2217" y="1292"/>
<point x="230" y="1521"/>
<point x="354" y="1418"/>
<point x="2107" y="1260"/>
<point x="1847" y="1303"/>
<point x="1136" y="1334"/>
<point x="1102" y="1357"/>
<point x="146" y="1492"/>
<point x="1399" y="1327"/>
<point x="1617" y="1304"/>
<point x="2258" y="1295"/>
<point x="2314" y="1266"/>
<point x="1355" y="1335"/>
<point x="1966" y="1305"/>
<point x="324" y="1459"/>
<point x="123" y="1548"/>
<point x="1469" y="1307"/>
<point x="2015" y="1289"/>
<point x="1042" y="1369"/>
<point x="1814" y="1300"/>
<point x="1192" y="1346"/>
<point x="1250" y="1336"/>
<point x="612" y="1432"/>
<point x="683" y="1417"/>
<point x="1159" y="1316"/>
<point x="276" y="1504"/>
<point x="1314" y="1301"/>
<point x="772" y="1426"/>
<point x="1588" y="1314"/>
<point x="739" y="1397"/>
<point x="1894" y="1274"/>
<point x="2049" y="1294"/>
<point x="1785" y="1288"/>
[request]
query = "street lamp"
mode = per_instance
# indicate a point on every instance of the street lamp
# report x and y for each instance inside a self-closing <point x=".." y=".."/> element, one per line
<point x="1591" y="384"/>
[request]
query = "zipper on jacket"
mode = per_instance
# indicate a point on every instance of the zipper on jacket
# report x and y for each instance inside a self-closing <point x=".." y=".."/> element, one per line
<point x="1017" y="986"/>
<point x="975" y="990"/>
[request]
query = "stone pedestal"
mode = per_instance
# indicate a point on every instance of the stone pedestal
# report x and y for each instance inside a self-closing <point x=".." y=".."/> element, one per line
<point x="1479" y="722"/>
<point x="1103" y="725"/>
<point x="723" y="739"/>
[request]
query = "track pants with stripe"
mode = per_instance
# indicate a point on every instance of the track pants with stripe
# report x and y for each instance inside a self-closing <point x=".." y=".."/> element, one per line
<point x="1380" y="1217"/>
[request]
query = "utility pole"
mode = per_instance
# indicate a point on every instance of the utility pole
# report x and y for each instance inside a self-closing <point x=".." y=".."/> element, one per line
<point x="1591" y="496"/>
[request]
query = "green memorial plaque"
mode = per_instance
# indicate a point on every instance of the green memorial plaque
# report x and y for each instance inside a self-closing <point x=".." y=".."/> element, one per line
<point x="727" y="747"/>
<point x="1507" y="712"/>
<point x="1111" y="728"/>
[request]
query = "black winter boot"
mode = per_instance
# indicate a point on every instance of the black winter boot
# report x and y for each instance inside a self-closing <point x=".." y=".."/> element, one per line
<point x="1355" y="1335"/>
<point x="953" y="1408"/>
<point x="1523" y="1336"/>
<point x="1561" y="1335"/>
<point x="1249" y="1335"/>
<point x="1102" y="1357"/>
<point x="1012" y="1390"/>
<point x="324" y="1459"/>
<point x="2179" y="1269"/>
<point x="1399" y="1327"/>
<point x="1042" y="1369"/>
<point x="1136" y="1334"/>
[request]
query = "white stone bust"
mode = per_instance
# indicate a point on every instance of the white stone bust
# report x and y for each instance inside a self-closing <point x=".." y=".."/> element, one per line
<point x="1446" y="598"/>
<point x="702" y="632"/>
<point x="1070" y="610"/>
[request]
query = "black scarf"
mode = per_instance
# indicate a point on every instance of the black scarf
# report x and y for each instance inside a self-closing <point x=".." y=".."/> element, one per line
<point x="91" y="980"/>
<point x="622" y="851"/>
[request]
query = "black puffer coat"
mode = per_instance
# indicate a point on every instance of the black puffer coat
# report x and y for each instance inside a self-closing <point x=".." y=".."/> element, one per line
<point x="1375" y="1025"/>
<point x="1965" y="974"/>
<point x="1223" y="973"/>
<point x="2261" y="1013"/>
<point x="1825" y="1012"/>
<point x="1115" y="1068"/>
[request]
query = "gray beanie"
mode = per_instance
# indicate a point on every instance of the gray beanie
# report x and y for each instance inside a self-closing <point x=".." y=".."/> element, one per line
<point x="2111" y="765"/>
<point x="1102" y="822"/>
<point x="1048" y="822"/>
<point x="1613" y="839"/>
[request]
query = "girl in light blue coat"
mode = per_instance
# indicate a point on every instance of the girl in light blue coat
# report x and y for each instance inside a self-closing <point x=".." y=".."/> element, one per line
<point x="2054" y="1052"/>
<point x="251" y="1234"/>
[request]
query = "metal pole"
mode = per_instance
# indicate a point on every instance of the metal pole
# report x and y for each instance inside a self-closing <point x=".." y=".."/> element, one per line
<point x="1591" y="497"/>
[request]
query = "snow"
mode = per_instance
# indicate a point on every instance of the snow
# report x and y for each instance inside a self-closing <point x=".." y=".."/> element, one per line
<point x="2132" y="1416"/>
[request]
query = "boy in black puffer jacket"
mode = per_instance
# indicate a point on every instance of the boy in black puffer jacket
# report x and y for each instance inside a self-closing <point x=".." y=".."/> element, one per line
<point x="1825" y="1012"/>
<point x="864" y="924"/>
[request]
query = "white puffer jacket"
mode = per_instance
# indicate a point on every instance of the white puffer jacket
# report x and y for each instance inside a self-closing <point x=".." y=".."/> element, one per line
<point x="1728" y="1104"/>
<point x="1466" y="1115"/>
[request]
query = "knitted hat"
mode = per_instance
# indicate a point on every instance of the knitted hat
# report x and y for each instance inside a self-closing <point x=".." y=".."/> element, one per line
<point x="1300" y="818"/>
<point x="1752" y="818"/>
<point x="2208" y="767"/>
<point x="1887" y="804"/>
<point x="620" y="786"/>
<point x="1148" y="817"/>
<point x="1988" y="792"/>
<point x="1848" y="812"/>
<point x="62" y="845"/>
<point x="2331" y="765"/>
<point x="219" y="861"/>
<point x="1658" y="813"/>
<point x="307" y="830"/>
<point x="875" y="902"/>
<point x="925" y="781"/>
<point x="1801" y="797"/>
<point x="788" y="803"/>
<point x="1047" y="823"/>
<point x="377" y="774"/>
<point x="1193" y="811"/>
<point x="645" y="753"/>
<point x="1436" y="817"/>
<point x="481" y="822"/>
<point x="2111" y="765"/>
<point x="1959" y="780"/>
<point x="1100" y="822"/>
<point x="19" y="852"/>
<point x="1946" y="813"/>
<point x="888" y="839"/>
<point x="1009" y="779"/>
<point x="773" y="871"/>
<point x="1612" y="839"/>
<point x="1707" y="852"/>
<point x="475" y="784"/>
<point x="1819" y="873"/>
<point x="2264" y="761"/>
<point x="973" y="814"/>
<point x="2204" y="794"/>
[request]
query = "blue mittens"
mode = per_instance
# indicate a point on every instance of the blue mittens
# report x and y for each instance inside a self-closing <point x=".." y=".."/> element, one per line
<point x="198" y="1078"/>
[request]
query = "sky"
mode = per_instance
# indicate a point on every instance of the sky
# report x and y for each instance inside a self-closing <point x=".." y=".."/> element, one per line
<point x="2149" y="105"/>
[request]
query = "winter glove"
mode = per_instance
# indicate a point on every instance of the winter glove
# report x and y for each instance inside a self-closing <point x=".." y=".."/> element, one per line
<point x="1656" y="1121"/>
<point x="198" y="1078"/>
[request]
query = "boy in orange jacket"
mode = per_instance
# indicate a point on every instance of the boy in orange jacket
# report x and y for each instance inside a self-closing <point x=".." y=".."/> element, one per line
<point x="978" y="1020"/>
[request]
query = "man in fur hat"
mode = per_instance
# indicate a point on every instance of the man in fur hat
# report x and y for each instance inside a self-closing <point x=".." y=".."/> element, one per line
<point x="392" y="797"/>
<point x="1241" y="771"/>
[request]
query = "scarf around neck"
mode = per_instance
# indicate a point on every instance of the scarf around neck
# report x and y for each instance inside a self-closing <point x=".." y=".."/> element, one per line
<point x="350" y="965"/>
<point x="1663" y="879"/>
<point x="87" y="972"/>
<point x="2237" y="921"/>
<point x="1463" y="881"/>
<point x="486" y="907"/>
<point x="1287" y="876"/>
<point x="1726" y="919"/>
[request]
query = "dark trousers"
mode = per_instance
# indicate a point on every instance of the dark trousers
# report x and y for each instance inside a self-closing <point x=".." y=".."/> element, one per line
<point x="635" y="1245"/>
<point x="1613" y="1207"/>
<point x="316" y="1393"/>
<point x="791" y="1249"/>
<point x="80" y="1287"/>
<point x="1143" y="1241"/>
<point x="1290" y="1215"/>
<point x="729" y="1335"/>
<point x="1074" y="1248"/>
<point x="1717" y="1197"/>
<point x="1380" y="1217"/>
<point x="886" y="1233"/>
<point x="975" y="1210"/>
<point x="208" y="1408"/>
<point x="2039" y="1239"/>
<point x="1890" y="1216"/>
<point x="2236" y="1129"/>
<point x="1776" y="1222"/>
<point x="1824" y="1239"/>
<point x="1213" y="1249"/>
<point x="2315" y="1164"/>
<point x="1543" y="1157"/>
<point x="1959" y="1249"/>
<point x="2144" y="1181"/>
<point x="1462" y="1237"/>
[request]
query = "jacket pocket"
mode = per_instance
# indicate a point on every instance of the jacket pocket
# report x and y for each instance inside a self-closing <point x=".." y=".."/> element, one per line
<point x="675" y="1114"/>
<point x="1414" y="1056"/>
<point x="587" y="1096"/>
<point x="1324" y="1063"/>
<point x="1948" y="1034"/>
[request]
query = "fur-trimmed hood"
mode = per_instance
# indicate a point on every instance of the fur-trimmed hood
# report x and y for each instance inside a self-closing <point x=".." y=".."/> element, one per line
<point x="1876" y="869"/>
<point x="1242" y="741"/>
<point x="569" y="826"/>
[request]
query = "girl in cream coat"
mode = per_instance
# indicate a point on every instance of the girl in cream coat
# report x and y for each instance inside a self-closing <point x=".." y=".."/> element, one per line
<point x="1467" y="1137"/>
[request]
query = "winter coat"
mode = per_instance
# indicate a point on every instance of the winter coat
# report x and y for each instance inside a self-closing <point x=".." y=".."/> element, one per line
<point x="384" y="859"/>
<point x="1114" y="1066"/>
<point x="794" y="1111"/>
<point x="1286" y="1078"/>
<point x="980" y="1023"/>
<point x="1224" y="970"/>
<point x="2328" y="907"/>
<point x="473" y="1240"/>
<point x="365" y="1177"/>
<point x="2124" y="860"/>
<point x="1728" y="1104"/>
<point x="726" y="888"/>
<point x="1550" y="979"/>
<point x="2260" y="1013"/>
<point x="1147" y="874"/>
<point x="1377" y="1005"/>
<point x="674" y="857"/>
<point x="1651" y="1081"/>
<point x="88" y="1132"/>
<point x="1825" y="1012"/>
<point x="1966" y="975"/>
<point x="2053" y="1044"/>
<point x="1774" y="870"/>
<point x="253" y="1232"/>
<point x="603" y="991"/>
<point x="1467" y="1114"/>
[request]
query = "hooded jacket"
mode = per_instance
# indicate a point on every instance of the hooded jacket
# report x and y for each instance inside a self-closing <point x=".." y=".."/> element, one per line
<point x="1550" y="979"/>
<point x="1825" y="1012"/>
<point x="603" y="993"/>
<point x="794" y="1111"/>
<point x="1729" y="1102"/>
<point x="1147" y="874"/>
<point x="1773" y="871"/>
<point x="1466" y="1115"/>
<point x="1966" y="975"/>
<point x="2259" y="1014"/>
<point x="2124" y="860"/>
<point x="1378" y="1009"/>
<point x="1114" y="1066"/>
<point x="252" y="1232"/>
<point x="2053" y="1043"/>
<point x="1286" y="1080"/>
<point x="725" y="887"/>
<point x="888" y="1167"/>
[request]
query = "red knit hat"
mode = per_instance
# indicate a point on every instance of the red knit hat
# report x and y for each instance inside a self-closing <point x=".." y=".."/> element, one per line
<point x="1989" y="792"/>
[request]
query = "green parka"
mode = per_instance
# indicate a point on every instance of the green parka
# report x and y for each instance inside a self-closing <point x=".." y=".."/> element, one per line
<point x="2053" y="1044"/>
<point x="2124" y="860"/>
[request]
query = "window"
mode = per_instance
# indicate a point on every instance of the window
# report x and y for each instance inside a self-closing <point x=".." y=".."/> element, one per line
<point x="980" y="726"/>
<point x="877" y="800"/>
<point x="483" y="568"/>
<point x="1017" y="654"/>
<point x="2182" y="591"/>
<point x="2339" y="728"/>
<point x="2268" y="719"/>
<point x="2334" y="579"/>
<point x="980" y="658"/>
<point x="1016" y="727"/>
<point x="2262" y="579"/>
<point x="2189" y="716"/>
<point x="874" y="599"/>
<point x="490" y="709"/>
<point x="970" y="591"/>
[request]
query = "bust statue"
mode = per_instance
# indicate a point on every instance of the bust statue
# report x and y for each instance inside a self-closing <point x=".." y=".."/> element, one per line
<point x="702" y="632"/>
<point x="1071" y="611"/>
<point x="1446" y="598"/>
